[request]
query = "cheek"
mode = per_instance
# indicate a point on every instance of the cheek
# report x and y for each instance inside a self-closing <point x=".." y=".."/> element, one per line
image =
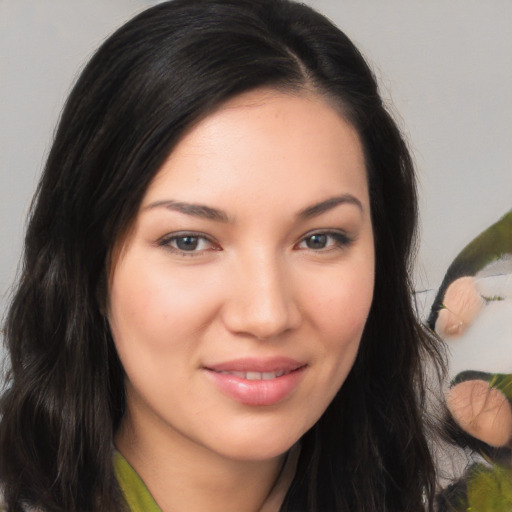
<point x="339" y="310"/>
<point x="156" y="318"/>
<point x="340" y="307"/>
<point x="344" y="311"/>
<point x="155" y="305"/>
<point x="338" y="316"/>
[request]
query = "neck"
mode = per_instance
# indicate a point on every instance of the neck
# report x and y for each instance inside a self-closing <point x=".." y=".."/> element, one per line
<point x="183" y="475"/>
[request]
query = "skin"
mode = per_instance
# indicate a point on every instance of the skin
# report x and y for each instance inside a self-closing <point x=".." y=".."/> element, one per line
<point x="258" y="285"/>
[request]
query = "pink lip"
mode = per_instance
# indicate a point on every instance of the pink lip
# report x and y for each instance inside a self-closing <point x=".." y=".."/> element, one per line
<point x="257" y="392"/>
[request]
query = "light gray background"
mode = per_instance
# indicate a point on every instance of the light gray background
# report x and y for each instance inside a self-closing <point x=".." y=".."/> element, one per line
<point x="445" y="66"/>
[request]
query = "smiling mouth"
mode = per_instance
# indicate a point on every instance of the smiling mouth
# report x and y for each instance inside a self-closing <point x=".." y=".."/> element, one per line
<point x="254" y="369"/>
<point x="256" y="375"/>
<point x="257" y="382"/>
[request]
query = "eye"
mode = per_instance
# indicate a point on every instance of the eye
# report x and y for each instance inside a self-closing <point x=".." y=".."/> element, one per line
<point x="189" y="244"/>
<point x="325" y="240"/>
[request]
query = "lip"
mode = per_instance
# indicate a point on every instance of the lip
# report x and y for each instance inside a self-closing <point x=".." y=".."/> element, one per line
<point x="265" y="392"/>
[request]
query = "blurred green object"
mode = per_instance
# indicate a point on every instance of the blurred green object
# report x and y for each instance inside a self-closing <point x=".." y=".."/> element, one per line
<point x="489" y="489"/>
<point x="135" y="492"/>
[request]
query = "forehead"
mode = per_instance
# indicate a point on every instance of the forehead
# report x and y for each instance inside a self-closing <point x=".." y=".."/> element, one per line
<point x="265" y="143"/>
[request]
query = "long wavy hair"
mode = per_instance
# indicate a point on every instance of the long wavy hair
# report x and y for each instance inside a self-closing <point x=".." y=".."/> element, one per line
<point x="155" y="76"/>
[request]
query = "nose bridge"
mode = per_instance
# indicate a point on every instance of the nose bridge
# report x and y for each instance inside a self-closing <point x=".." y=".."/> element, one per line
<point x="262" y="302"/>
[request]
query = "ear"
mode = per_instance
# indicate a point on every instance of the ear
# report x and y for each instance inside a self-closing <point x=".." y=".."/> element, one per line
<point x="482" y="411"/>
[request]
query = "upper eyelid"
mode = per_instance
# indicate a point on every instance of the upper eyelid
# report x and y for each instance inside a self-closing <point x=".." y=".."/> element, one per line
<point x="332" y="232"/>
<point x="180" y="234"/>
<point x="324" y="230"/>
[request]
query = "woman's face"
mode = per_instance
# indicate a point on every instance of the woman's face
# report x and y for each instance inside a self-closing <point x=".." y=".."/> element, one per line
<point x="238" y="300"/>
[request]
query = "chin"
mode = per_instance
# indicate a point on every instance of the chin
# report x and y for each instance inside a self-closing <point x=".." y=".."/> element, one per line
<point x="257" y="447"/>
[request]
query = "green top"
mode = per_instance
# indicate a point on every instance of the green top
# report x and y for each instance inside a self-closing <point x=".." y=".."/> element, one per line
<point x="139" y="499"/>
<point x="136" y="493"/>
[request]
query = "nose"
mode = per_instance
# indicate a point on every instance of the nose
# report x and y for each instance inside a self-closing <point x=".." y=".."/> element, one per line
<point x="262" y="302"/>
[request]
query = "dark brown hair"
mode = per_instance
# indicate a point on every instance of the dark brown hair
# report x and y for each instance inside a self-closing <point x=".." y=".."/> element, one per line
<point x="147" y="83"/>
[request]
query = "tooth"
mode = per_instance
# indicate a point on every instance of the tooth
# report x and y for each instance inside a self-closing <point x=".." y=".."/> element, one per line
<point x="255" y="375"/>
<point x="235" y="374"/>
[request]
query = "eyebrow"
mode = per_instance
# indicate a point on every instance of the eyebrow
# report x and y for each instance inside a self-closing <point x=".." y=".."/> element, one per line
<point x="329" y="204"/>
<point x="207" y="212"/>
<point x="196" y="210"/>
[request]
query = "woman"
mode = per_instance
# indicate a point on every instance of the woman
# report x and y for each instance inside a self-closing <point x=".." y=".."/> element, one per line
<point x="214" y="309"/>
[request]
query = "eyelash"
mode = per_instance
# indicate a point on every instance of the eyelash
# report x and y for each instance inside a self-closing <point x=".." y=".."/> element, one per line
<point x="168" y="240"/>
<point x="340" y="240"/>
